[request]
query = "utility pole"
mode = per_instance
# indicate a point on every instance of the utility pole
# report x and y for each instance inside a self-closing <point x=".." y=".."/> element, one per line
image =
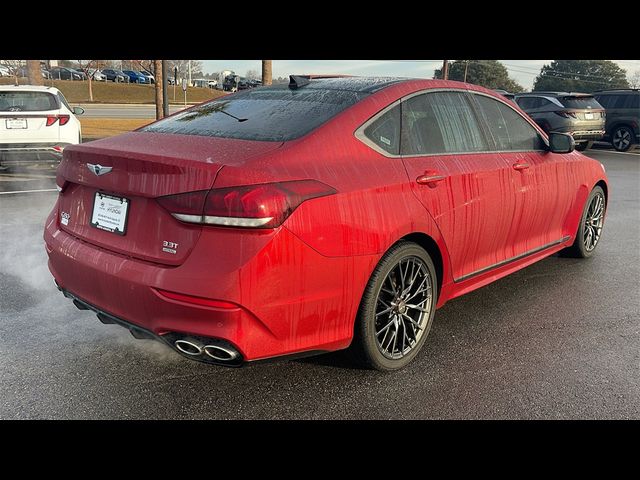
<point x="189" y="73"/>
<point x="445" y="69"/>
<point x="33" y="71"/>
<point x="157" y="68"/>
<point x="165" y="102"/>
<point x="466" y="67"/>
<point x="266" y="72"/>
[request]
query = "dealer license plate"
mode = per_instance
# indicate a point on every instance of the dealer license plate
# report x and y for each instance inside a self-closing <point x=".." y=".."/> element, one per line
<point x="110" y="213"/>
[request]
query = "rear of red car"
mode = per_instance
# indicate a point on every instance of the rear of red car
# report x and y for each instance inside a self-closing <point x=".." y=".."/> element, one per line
<point x="150" y="234"/>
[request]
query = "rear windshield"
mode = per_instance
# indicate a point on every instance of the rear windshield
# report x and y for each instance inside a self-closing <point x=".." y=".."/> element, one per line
<point x="268" y="114"/>
<point x="580" y="102"/>
<point x="27" y="101"/>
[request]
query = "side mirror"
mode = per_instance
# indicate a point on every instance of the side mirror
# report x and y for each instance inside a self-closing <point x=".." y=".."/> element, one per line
<point x="561" y="143"/>
<point x="78" y="110"/>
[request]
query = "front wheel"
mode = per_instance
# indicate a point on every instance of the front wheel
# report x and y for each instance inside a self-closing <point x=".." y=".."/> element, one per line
<point x="621" y="138"/>
<point x="396" y="310"/>
<point x="590" y="228"/>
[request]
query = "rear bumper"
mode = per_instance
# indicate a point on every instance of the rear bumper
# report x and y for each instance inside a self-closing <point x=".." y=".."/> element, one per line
<point x="581" y="133"/>
<point x="287" y="298"/>
<point x="31" y="151"/>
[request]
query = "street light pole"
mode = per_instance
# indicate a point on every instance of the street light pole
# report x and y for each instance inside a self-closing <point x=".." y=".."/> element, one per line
<point x="445" y="69"/>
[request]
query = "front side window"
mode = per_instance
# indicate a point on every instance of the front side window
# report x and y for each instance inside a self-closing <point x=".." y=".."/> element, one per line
<point x="509" y="130"/>
<point x="385" y="131"/>
<point x="439" y="123"/>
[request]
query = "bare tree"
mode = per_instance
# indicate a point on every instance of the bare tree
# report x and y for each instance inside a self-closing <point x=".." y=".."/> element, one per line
<point x="85" y="66"/>
<point x="34" y="73"/>
<point x="157" y="67"/>
<point x="14" y="67"/>
<point x="252" y="75"/>
<point x="266" y="72"/>
<point x="634" y="79"/>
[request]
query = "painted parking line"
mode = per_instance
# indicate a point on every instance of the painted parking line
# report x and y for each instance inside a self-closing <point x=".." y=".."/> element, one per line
<point x="30" y="191"/>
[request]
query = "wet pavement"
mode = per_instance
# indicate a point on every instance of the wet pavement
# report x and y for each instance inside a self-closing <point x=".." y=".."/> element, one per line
<point x="557" y="340"/>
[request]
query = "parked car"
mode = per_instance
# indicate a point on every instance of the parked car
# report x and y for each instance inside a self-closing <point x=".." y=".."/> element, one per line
<point x="136" y="77"/>
<point x="171" y="80"/>
<point x="382" y="199"/>
<point x="200" y="83"/>
<point x="23" y="72"/>
<point x="83" y="76"/>
<point x="64" y="73"/>
<point x="231" y="83"/>
<point x="212" y="83"/>
<point x="116" y="76"/>
<point x="36" y="123"/>
<point x="148" y="76"/>
<point x="5" y="72"/>
<point x="97" y="75"/>
<point x="623" y="117"/>
<point x="578" y="114"/>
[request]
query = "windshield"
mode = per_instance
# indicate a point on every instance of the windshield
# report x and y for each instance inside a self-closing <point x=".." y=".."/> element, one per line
<point x="27" y="102"/>
<point x="580" y="102"/>
<point x="268" y="114"/>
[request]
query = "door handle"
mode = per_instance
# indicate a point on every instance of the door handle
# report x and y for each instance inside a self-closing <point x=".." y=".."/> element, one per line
<point x="521" y="166"/>
<point x="430" y="179"/>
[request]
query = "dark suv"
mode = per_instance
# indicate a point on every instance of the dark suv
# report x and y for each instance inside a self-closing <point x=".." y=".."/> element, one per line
<point x="578" y="114"/>
<point x="623" y="117"/>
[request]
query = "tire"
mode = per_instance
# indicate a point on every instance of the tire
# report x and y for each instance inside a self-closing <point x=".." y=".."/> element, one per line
<point x="581" y="247"/>
<point x="378" y="346"/>
<point x="622" y="138"/>
<point x="582" y="146"/>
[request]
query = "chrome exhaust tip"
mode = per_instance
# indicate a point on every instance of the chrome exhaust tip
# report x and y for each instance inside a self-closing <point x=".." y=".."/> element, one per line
<point x="220" y="353"/>
<point x="188" y="348"/>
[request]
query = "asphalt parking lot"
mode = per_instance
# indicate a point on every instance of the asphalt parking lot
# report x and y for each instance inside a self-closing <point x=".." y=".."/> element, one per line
<point x="557" y="340"/>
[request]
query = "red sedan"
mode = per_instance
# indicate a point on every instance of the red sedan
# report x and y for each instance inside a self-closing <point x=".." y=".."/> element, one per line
<point x="315" y="216"/>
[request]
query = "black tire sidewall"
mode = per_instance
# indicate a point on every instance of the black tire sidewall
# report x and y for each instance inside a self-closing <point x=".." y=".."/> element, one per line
<point x="366" y="314"/>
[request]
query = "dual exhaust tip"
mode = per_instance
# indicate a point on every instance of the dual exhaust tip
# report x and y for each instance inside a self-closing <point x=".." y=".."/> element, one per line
<point x="218" y="353"/>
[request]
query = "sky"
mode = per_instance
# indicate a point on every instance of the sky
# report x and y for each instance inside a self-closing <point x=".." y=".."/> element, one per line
<point x="523" y="71"/>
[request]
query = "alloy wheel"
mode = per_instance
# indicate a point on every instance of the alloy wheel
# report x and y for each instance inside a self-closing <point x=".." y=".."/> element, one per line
<point x="403" y="307"/>
<point x="621" y="139"/>
<point x="593" y="222"/>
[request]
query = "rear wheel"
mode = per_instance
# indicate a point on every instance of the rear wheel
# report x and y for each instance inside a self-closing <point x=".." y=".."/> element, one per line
<point x="622" y="138"/>
<point x="397" y="309"/>
<point x="590" y="228"/>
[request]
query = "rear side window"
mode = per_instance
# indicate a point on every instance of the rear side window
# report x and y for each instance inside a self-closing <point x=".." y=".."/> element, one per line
<point x="27" y="101"/>
<point x="440" y="122"/>
<point x="580" y="102"/>
<point x="268" y="114"/>
<point x="509" y="130"/>
<point x="385" y="131"/>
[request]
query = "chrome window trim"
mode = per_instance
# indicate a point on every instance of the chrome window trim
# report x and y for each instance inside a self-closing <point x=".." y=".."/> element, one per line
<point x="359" y="133"/>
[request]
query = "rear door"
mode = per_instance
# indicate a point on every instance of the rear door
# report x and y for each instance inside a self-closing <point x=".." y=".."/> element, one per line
<point x="24" y="117"/>
<point x="542" y="181"/>
<point x="467" y="189"/>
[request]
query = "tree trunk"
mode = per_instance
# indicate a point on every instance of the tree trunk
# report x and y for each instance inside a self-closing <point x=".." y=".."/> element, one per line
<point x="90" y="86"/>
<point x="157" y="67"/>
<point x="266" y="72"/>
<point x="33" y="71"/>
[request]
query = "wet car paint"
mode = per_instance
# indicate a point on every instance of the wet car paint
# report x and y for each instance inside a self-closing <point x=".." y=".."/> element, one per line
<point x="298" y="286"/>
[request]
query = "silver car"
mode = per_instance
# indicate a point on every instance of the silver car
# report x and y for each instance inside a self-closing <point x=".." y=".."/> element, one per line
<point x="578" y="114"/>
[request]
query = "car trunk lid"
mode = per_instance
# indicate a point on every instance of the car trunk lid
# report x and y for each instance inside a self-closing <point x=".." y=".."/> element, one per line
<point x="142" y="167"/>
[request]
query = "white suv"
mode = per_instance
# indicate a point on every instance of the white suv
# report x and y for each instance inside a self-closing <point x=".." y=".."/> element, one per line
<point x="36" y="123"/>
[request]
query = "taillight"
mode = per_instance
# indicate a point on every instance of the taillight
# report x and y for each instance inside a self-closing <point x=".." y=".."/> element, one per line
<point x="252" y="206"/>
<point x="51" y="119"/>
<point x="566" y="114"/>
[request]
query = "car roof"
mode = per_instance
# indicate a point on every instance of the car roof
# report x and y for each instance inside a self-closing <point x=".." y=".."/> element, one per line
<point x="354" y="84"/>
<point x="554" y="94"/>
<point x="28" y="88"/>
<point x="618" y="90"/>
